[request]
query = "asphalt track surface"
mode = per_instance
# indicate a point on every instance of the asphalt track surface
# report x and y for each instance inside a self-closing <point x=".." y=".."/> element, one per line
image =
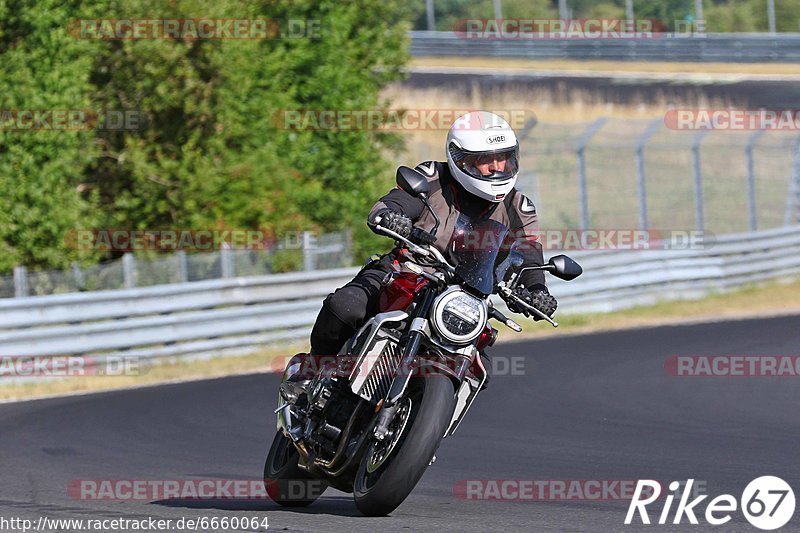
<point x="591" y="407"/>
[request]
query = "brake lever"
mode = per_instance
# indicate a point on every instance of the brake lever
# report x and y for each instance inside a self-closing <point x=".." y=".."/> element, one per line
<point x="506" y="293"/>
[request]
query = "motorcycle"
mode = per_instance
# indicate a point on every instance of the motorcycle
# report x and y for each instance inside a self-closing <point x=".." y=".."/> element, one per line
<point x="370" y="420"/>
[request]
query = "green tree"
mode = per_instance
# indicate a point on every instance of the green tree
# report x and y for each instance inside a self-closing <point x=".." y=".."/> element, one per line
<point x="449" y="13"/>
<point x="212" y="152"/>
<point x="42" y="194"/>
<point x="208" y="150"/>
<point x="725" y="17"/>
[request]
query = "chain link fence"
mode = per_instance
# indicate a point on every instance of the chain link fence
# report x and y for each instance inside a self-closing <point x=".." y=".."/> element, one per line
<point x="638" y="174"/>
<point x="312" y="252"/>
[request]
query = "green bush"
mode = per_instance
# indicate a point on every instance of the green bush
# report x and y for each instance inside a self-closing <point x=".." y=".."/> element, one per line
<point x="208" y="152"/>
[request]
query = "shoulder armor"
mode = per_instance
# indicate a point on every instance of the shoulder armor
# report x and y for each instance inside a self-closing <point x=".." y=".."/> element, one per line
<point x="428" y="168"/>
<point x="524" y="204"/>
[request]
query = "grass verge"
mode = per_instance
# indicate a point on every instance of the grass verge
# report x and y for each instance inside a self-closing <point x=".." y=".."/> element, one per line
<point x="556" y="65"/>
<point x="753" y="301"/>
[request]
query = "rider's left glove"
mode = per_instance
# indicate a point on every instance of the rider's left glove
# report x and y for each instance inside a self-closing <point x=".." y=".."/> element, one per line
<point x="539" y="298"/>
<point x="396" y="222"/>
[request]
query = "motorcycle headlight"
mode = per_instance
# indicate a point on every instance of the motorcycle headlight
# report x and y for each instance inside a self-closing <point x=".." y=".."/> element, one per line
<point x="458" y="316"/>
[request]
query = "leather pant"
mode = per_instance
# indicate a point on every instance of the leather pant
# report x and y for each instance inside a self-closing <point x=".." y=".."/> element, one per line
<point x="347" y="308"/>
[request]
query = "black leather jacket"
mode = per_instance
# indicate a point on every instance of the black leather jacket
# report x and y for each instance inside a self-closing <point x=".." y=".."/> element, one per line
<point x="449" y="200"/>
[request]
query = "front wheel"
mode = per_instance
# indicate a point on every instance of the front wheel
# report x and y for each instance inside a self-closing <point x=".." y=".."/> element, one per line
<point x="390" y="469"/>
<point x="286" y="483"/>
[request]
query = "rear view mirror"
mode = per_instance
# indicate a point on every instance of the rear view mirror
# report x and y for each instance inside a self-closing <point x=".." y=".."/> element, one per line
<point x="564" y="267"/>
<point x="412" y="181"/>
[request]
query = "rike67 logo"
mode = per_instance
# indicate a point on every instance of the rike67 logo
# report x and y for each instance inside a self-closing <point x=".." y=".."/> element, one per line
<point x="767" y="503"/>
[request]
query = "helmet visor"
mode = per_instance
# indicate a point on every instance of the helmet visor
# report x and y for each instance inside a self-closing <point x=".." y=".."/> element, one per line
<point x="498" y="165"/>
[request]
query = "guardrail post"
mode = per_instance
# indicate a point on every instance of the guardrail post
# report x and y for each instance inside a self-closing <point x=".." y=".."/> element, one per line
<point x="698" y="16"/>
<point x="792" y="214"/>
<point x="129" y="270"/>
<point x="771" y="16"/>
<point x="348" y="245"/>
<point x="699" y="221"/>
<point x="20" y="282"/>
<point x="309" y="244"/>
<point x="226" y="262"/>
<point x="641" y="183"/>
<point x="430" y="15"/>
<point x="183" y="267"/>
<point x="77" y="273"/>
<point x="751" y="179"/>
<point x="580" y="152"/>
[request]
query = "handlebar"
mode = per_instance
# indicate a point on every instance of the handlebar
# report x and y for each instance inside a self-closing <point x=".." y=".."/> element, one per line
<point x="430" y="251"/>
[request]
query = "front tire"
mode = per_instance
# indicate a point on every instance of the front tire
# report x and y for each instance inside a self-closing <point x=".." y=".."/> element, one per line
<point x="389" y="471"/>
<point x="286" y="483"/>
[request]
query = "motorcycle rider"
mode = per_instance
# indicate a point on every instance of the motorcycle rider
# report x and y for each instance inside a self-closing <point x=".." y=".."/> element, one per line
<point x="478" y="180"/>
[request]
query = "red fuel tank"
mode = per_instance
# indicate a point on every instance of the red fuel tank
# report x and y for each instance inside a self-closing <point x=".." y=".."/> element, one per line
<point x="399" y="291"/>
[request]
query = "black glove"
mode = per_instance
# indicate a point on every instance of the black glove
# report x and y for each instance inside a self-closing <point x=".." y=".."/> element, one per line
<point x="538" y="298"/>
<point x="420" y="236"/>
<point x="396" y="222"/>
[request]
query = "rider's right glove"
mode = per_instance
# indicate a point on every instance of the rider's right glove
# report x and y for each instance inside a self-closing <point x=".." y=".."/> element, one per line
<point x="541" y="299"/>
<point x="396" y="222"/>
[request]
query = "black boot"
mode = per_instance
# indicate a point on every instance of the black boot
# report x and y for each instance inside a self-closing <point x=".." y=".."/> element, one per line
<point x="329" y="334"/>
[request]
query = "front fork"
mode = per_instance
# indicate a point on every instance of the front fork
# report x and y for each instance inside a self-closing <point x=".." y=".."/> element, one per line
<point x="417" y="332"/>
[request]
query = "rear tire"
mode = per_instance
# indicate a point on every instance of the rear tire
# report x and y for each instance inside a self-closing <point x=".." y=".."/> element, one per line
<point x="393" y="475"/>
<point x="286" y="483"/>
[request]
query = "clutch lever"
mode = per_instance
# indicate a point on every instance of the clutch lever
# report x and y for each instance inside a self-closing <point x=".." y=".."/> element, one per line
<point x="411" y="246"/>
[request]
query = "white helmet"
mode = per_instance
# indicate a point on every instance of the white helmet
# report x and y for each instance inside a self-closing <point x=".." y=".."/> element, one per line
<point x="482" y="133"/>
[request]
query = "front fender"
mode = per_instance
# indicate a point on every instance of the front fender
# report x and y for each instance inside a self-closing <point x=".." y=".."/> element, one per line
<point x="426" y="366"/>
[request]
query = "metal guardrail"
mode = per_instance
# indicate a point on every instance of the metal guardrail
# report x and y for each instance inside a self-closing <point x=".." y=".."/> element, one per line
<point x="619" y="280"/>
<point x="232" y="315"/>
<point x="154" y="321"/>
<point x="727" y="47"/>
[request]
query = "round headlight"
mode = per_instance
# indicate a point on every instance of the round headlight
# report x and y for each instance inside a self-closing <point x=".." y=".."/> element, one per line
<point x="458" y="316"/>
